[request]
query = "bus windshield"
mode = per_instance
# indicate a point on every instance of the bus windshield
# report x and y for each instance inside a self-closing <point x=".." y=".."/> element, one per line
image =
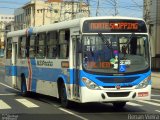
<point x="124" y="53"/>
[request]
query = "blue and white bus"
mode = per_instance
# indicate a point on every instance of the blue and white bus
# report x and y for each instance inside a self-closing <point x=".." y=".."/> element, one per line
<point x="95" y="59"/>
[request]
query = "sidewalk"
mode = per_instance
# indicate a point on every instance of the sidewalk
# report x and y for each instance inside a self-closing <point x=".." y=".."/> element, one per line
<point x="155" y="77"/>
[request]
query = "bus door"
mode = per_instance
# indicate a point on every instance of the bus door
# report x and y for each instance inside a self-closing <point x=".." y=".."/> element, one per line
<point x="76" y="65"/>
<point x="14" y="61"/>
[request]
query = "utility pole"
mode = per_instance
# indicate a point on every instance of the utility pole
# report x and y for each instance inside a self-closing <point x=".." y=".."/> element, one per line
<point x="97" y="10"/>
<point x="88" y="3"/>
<point x="115" y="7"/>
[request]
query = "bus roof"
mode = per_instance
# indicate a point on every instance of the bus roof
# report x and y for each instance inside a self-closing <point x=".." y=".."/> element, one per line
<point x="65" y="25"/>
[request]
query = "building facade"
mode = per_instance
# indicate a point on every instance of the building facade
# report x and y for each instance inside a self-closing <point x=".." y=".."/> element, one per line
<point x="38" y="12"/>
<point x="4" y="19"/>
<point x="152" y="18"/>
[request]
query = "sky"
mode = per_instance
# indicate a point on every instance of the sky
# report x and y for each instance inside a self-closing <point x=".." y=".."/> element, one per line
<point x="132" y="8"/>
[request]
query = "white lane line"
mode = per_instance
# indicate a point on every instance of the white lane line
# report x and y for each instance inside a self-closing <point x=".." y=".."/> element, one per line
<point x="8" y="86"/>
<point x="4" y="105"/>
<point x="155" y="100"/>
<point x="27" y="103"/>
<point x="157" y="111"/>
<point x="155" y="95"/>
<point x="133" y="104"/>
<point x="83" y="118"/>
<point x="148" y="102"/>
<point x="7" y="94"/>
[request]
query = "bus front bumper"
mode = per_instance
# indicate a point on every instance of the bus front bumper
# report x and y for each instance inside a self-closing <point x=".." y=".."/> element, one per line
<point x="113" y="95"/>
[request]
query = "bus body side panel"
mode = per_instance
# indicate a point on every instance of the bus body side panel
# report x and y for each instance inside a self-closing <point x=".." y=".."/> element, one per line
<point x="42" y="75"/>
<point x="8" y="72"/>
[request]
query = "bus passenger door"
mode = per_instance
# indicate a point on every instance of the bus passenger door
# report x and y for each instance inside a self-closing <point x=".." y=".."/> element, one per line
<point x="76" y="66"/>
<point x="14" y="62"/>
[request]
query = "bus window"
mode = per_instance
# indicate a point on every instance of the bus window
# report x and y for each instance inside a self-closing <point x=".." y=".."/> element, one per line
<point x="52" y="49"/>
<point x="22" y="48"/>
<point x="41" y="45"/>
<point x="64" y="37"/>
<point x="32" y="47"/>
<point x="9" y="48"/>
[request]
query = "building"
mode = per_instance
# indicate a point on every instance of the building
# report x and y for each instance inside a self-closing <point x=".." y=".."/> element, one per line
<point x="152" y="17"/>
<point x="4" y="19"/>
<point x="19" y="19"/>
<point x="38" y="12"/>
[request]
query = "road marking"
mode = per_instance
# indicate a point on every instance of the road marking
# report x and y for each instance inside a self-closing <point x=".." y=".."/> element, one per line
<point x="4" y="105"/>
<point x="83" y="118"/>
<point x="157" y="111"/>
<point x="154" y="95"/>
<point x="27" y="103"/>
<point x="147" y="102"/>
<point x="155" y="100"/>
<point x="133" y="104"/>
<point x="8" y="94"/>
<point x="8" y="86"/>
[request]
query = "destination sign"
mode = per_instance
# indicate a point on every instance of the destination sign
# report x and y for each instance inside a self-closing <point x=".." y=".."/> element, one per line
<point x="106" y="26"/>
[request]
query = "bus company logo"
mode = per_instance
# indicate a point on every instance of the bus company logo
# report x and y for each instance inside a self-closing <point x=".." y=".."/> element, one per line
<point x="118" y="87"/>
<point x="44" y="63"/>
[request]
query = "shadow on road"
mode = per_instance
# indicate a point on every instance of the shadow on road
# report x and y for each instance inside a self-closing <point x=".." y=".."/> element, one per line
<point x="86" y="107"/>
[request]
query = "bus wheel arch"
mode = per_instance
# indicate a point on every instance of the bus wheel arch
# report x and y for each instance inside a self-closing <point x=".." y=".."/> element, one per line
<point x="23" y="85"/>
<point x="62" y="93"/>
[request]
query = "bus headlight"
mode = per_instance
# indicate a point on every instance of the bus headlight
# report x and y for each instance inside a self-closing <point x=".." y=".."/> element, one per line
<point x="144" y="83"/>
<point x="90" y="84"/>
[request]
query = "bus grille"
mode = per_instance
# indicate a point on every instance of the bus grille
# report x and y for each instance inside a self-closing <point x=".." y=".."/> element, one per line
<point x="118" y="94"/>
<point x="117" y="80"/>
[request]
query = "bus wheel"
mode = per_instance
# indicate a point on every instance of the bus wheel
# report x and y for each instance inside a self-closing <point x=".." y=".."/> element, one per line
<point x="119" y="105"/>
<point x="23" y="86"/>
<point x="63" y="96"/>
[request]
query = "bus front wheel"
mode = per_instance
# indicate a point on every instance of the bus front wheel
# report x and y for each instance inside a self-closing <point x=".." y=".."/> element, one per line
<point x="63" y="96"/>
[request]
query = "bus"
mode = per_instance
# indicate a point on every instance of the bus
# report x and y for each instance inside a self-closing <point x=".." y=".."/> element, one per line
<point x="93" y="59"/>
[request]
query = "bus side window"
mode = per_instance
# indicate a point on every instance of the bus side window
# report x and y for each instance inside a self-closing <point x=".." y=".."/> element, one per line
<point x="41" y="45"/>
<point x="22" y="47"/>
<point x="64" y="37"/>
<point x="9" y="48"/>
<point x="32" y="46"/>
<point x="52" y="45"/>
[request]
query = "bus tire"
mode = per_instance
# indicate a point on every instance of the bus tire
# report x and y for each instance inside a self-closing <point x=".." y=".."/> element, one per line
<point x="63" y="96"/>
<point x="119" y="105"/>
<point x="23" y="86"/>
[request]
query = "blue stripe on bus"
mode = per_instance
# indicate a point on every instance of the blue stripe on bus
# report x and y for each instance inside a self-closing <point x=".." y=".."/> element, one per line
<point x="48" y="74"/>
<point x="11" y="70"/>
<point x="34" y="85"/>
<point x="51" y="74"/>
<point x="141" y="77"/>
<point x="14" y="70"/>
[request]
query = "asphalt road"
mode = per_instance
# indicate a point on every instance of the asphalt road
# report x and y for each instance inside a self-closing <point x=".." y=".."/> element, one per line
<point x="39" y="107"/>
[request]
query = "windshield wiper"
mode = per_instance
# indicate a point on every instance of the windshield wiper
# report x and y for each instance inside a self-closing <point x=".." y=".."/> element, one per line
<point x="105" y="40"/>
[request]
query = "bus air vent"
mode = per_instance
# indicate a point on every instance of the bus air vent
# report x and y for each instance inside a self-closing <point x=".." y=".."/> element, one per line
<point x="118" y="94"/>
